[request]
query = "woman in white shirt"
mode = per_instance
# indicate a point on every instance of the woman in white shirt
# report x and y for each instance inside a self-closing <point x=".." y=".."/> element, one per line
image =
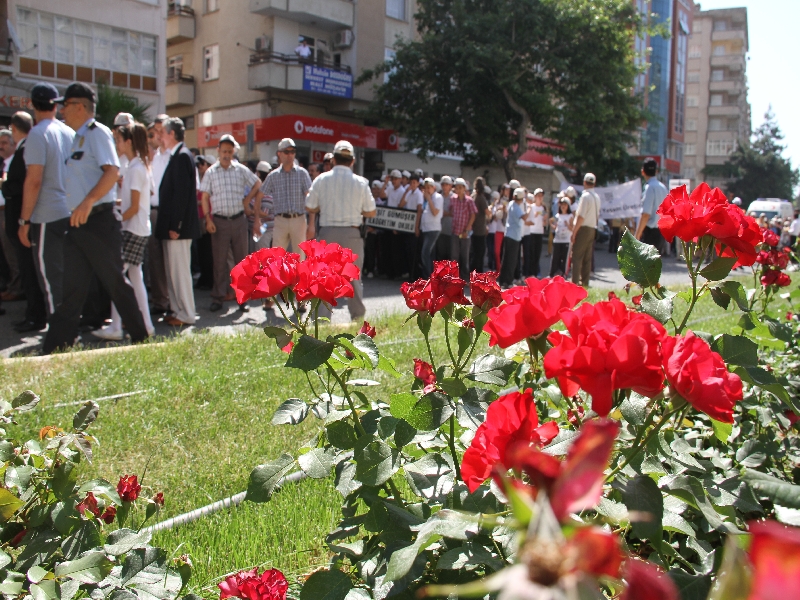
<point x="536" y="218"/>
<point x="430" y="223"/>
<point x="137" y="183"/>
<point x="497" y="227"/>
<point x="562" y="225"/>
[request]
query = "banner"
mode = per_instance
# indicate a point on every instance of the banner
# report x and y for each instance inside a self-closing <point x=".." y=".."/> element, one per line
<point x="327" y="81"/>
<point x="617" y="201"/>
<point x="395" y="219"/>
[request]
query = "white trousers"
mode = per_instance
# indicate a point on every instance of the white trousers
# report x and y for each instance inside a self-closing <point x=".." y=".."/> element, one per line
<point x="178" y="260"/>
<point x="133" y="274"/>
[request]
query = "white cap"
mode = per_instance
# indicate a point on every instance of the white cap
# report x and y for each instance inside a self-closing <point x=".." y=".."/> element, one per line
<point x="377" y="183"/>
<point x="531" y="197"/>
<point x="590" y="178"/>
<point x="263" y="166"/>
<point x="446" y="179"/>
<point x="737" y="201"/>
<point x="395" y="173"/>
<point x="495" y="195"/>
<point x="286" y="143"/>
<point x="406" y="174"/>
<point x="344" y="148"/>
<point x="419" y="172"/>
<point x="514" y="184"/>
<point x="228" y="139"/>
<point x="519" y="192"/>
<point x="570" y="191"/>
<point x="123" y="119"/>
<point x="429" y="181"/>
<point x="538" y="191"/>
<point x="460" y="181"/>
<point x="210" y="159"/>
<point x="328" y="156"/>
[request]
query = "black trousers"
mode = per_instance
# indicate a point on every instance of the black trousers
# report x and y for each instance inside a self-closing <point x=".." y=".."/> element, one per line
<point x="652" y="236"/>
<point x="558" y="264"/>
<point x="510" y="261"/>
<point x="613" y="239"/>
<point x="478" y="253"/>
<point x="531" y="253"/>
<point x="35" y="309"/>
<point x="93" y="248"/>
<point x="371" y="252"/>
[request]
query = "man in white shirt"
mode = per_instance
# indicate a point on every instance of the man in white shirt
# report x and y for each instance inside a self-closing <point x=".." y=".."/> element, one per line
<point x="159" y="292"/>
<point x="430" y="223"/>
<point x="585" y="231"/>
<point x="400" y="241"/>
<point x="303" y="51"/>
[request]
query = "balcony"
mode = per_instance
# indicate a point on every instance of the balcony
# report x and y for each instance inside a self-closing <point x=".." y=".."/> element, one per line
<point x="275" y="71"/>
<point x="731" y="34"/>
<point x="732" y="86"/>
<point x="735" y="62"/>
<point x="179" y="90"/>
<point x="325" y="14"/>
<point x="726" y="110"/>
<point x="180" y="24"/>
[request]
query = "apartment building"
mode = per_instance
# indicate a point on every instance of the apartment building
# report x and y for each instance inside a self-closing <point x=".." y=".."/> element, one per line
<point x="121" y="43"/>
<point x="717" y="111"/>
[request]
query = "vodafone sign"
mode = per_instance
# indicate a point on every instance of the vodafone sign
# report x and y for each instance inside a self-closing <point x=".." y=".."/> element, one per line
<point x="302" y="128"/>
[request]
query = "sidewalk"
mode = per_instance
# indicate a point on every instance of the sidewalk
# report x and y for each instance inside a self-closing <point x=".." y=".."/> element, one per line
<point x="380" y="297"/>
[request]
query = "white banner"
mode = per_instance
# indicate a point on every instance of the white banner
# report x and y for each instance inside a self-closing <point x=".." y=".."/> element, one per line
<point x="617" y="201"/>
<point x="396" y="219"/>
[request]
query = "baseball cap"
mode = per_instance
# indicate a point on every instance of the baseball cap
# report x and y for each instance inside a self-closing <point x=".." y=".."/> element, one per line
<point x="328" y="156"/>
<point x="429" y="181"/>
<point x="514" y="184"/>
<point x="77" y="90"/>
<point x="538" y="191"/>
<point x="446" y="179"/>
<point x="44" y="93"/>
<point x="495" y="195"/>
<point x="519" y="192"/>
<point x="263" y="166"/>
<point x="227" y="139"/>
<point x="210" y="159"/>
<point x="406" y="174"/>
<point x="286" y="143"/>
<point x="395" y="173"/>
<point x="123" y="119"/>
<point x="589" y="178"/>
<point x="344" y="148"/>
<point x="570" y="191"/>
<point x="377" y="183"/>
<point x="460" y="181"/>
<point x="419" y="172"/>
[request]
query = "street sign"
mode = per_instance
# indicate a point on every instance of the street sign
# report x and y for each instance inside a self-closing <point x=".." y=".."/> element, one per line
<point x="395" y="219"/>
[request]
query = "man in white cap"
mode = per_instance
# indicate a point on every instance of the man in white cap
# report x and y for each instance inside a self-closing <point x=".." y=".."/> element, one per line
<point x="327" y="162"/>
<point x="442" y="249"/>
<point x="224" y="208"/>
<point x="404" y="180"/>
<point x="288" y="186"/>
<point x="342" y="199"/>
<point x="584" y="231"/>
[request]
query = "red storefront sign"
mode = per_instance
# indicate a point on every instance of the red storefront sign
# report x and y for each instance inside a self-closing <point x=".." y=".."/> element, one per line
<point x="535" y="156"/>
<point x="16" y="102"/>
<point x="300" y="128"/>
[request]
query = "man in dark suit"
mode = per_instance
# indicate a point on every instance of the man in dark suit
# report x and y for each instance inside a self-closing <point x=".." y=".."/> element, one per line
<point x="178" y="223"/>
<point x="36" y="310"/>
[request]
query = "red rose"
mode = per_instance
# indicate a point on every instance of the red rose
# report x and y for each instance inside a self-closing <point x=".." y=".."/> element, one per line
<point x="770" y="238"/>
<point x="88" y="504"/>
<point x="468" y="324"/>
<point x="637" y="300"/>
<point x="611" y="295"/>
<point x="647" y="582"/>
<point x="367" y="329"/>
<point x="249" y="585"/>
<point x="700" y="376"/>
<point x="158" y="499"/>
<point x="326" y="272"/>
<point x="288" y="348"/>
<point x="108" y="515"/>
<point x="775" y="278"/>
<point x="575" y="483"/>
<point x="263" y="274"/>
<point x="128" y="488"/>
<point x="510" y="420"/>
<point x="596" y="551"/>
<point x="530" y="309"/>
<point x="485" y="290"/>
<point x="417" y="294"/>
<point x="425" y="373"/>
<point x="773" y="258"/>
<point x="775" y="555"/>
<point x="446" y="286"/>
<point x="609" y="348"/>
<point x="741" y="239"/>
<point x="789" y="316"/>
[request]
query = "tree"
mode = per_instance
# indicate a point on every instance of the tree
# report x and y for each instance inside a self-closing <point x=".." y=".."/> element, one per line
<point x="112" y="101"/>
<point x="758" y="168"/>
<point x="482" y="74"/>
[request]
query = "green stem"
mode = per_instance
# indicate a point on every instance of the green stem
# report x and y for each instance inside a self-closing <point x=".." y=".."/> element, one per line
<point x="534" y="354"/>
<point x="356" y="421"/>
<point x="316" y="318"/>
<point x="638" y="448"/>
<point x="693" y="275"/>
<point x="469" y="354"/>
<point x="283" y="314"/>
<point x="395" y="492"/>
<point x="430" y="352"/>
<point x="452" y="444"/>
<point x="311" y="385"/>
<point x="447" y="338"/>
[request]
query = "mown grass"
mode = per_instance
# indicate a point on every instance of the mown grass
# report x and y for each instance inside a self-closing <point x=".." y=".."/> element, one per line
<point x="203" y="422"/>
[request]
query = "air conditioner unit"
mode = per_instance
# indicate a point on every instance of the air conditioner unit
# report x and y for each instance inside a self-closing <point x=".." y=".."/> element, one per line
<point x="263" y="43"/>
<point x="343" y="38"/>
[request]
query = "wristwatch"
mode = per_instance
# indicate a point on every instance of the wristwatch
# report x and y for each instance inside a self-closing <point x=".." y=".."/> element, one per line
<point x="24" y="222"/>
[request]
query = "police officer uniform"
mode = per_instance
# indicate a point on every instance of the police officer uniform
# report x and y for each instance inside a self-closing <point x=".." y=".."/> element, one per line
<point x="96" y="246"/>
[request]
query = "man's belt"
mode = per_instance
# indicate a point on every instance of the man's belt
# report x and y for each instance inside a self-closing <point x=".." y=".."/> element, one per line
<point x="231" y="218"/>
<point x="291" y="215"/>
<point x="101" y="208"/>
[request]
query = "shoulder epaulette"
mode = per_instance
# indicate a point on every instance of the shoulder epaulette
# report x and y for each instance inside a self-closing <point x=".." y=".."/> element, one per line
<point x="92" y="125"/>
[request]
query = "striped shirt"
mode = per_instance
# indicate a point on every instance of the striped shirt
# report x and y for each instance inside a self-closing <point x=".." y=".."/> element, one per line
<point x="341" y="196"/>
<point x="227" y="187"/>
<point x="288" y="189"/>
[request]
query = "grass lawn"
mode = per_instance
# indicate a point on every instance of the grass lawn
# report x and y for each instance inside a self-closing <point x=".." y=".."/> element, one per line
<point x="203" y="422"/>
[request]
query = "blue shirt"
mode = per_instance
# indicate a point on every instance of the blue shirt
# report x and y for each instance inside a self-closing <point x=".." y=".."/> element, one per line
<point x="653" y="196"/>
<point x="48" y="145"/>
<point x="516" y="210"/>
<point x="92" y="149"/>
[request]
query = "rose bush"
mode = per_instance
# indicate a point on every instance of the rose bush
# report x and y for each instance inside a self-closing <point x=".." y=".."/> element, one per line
<point x="595" y="450"/>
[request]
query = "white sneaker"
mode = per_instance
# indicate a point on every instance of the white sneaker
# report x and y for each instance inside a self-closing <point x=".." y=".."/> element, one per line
<point x="106" y="333"/>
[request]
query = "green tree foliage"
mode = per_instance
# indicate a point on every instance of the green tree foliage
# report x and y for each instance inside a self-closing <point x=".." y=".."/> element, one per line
<point x="481" y="74"/>
<point x="757" y="168"/>
<point x="112" y="101"/>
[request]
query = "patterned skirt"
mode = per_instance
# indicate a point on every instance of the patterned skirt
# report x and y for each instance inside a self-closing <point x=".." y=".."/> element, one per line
<point x="133" y="248"/>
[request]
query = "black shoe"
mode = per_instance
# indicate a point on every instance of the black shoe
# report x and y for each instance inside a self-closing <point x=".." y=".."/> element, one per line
<point x="28" y="326"/>
<point x="157" y="311"/>
<point x="215" y="306"/>
<point x="244" y="307"/>
<point x="18" y="323"/>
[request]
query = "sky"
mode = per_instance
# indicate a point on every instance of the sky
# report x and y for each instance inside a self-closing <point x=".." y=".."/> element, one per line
<point x="772" y="73"/>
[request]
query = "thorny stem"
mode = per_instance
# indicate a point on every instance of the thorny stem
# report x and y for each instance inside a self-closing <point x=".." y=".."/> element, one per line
<point x="452" y="444"/>
<point x="638" y="447"/>
<point x="534" y="354"/>
<point x="447" y="338"/>
<point x="693" y="274"/>
<point x="430" y="352"/>
<point x="469" y="354"/>
<point x="356" y="420"/>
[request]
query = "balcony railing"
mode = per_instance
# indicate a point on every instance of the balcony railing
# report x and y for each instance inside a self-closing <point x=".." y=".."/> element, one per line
<point x="176" y="10"/>
<point x="293" y="59"/>
<point x="179" y="78"/>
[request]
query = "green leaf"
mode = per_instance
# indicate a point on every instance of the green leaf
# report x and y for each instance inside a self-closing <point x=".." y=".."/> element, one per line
<point x="341" y="435"/>
<point x="84" y="538"/>
<point x="9" y="504"/>
<point x="720" y="298"/>
<point x="471" y="411"/>
<point x="367" y="346"/>
<point x="468" y="557"/>
<point x="645" y="507"/>
<point x="45" y="590"/>
<point x="736" y="291"/>
<point x="26" y="401"/>
<point x="5" y="560"/>
<point x="751" y="454"/>
<point x="401" y="405"/>
<point x="19" y="477"/>
<point x="659" y="309"/>
<point x="736" y="350"/>
<point x="639" y="262"/>
<point x="403" y="433"/>
<point x="777" y="490"/>
<point x="424" y="321"/>
<point x="101" y="487"/>
<point x="317" y="463"/>
<point x="309" y="353"/>
<point x="85" y="416"/>
<point x="452" y="386"/>
<point x="124" y="540"/>
<point x="722" y="431"/>
<point x="387" y="366"/>
<point x="376" y="461"/>
<point x="466" y="335"/>
<point x="719" y="269"/>
<point x="634" y="409"/>
<point x="292" y="412"/>
<point x="36" y="574"/>
<point x="691" y="587"/>
<point x="6" y="450"/>
<point x="781" y="331"/>
<point x="491" y="369"/>
<point x="326" y="585"/>
<point x="280" y="335"/>
<point x="430" y="412"/>
<point x="92" y="567"/>
<point x="139" y="559"/>
<point x="690" y="490"/>
<point x="265" y="478"/>
<point x="432" y="476"/>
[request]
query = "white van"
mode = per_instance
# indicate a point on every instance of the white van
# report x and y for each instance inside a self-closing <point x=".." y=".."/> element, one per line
<point x="771" y="207"/>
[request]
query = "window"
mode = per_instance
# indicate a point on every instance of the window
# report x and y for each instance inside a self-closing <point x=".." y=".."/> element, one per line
<point x="720" y="25"/>
<point x="693" y="77"/>
<point x="680" y="79"/>
<point x="396" y="9"/>
<point x="716" y="99"/>
<point x="720" y="147"/>
<point x="388" y="55"/>
<point x="174" y="67"/>
<point x="695" y="52"/>
<point x="691" y="124"/>
<point x="211" y="62"/>
<point x="716" y="125"/>
<point x="689" y="173"/>
<point x="689" y="150"/>
<point x="717" y="75"/>
<point x="691" y="101"/>
<point x="211" y="6"/>
<point x="719" y="50"/>
<point x="188" y="122"/>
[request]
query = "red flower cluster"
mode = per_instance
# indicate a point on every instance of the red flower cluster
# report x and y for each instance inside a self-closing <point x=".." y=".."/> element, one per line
<point x="249" y="585"/>
<point x="773" y="261"/>
<point x="443" y="288"/>
<point x="529" y="310"/>
<point x="425" y="373"/>
<point x="776" y="278"/>
<point x="610" y="348"/>
<point x="511" y="420"/>
<point x="326" y="272"/>
<point x="485" y="290"/>
<point x="158" y="499"/>
<point x="770" y="238"/>
<point x="89" y="504"/>
<point x="700" y="376"/>
<point x="128" y="488"/>
<point x="778" y="259"/>
<point x="775" y="556"/>
<point x="708" y="212"/>
<point x="367" y="329"/>
<point x="264" y="274"/>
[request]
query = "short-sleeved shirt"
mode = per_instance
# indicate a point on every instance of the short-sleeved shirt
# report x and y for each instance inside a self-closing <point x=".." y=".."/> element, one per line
<point x="394" y="195"/>
<point x="92" y="149"/>
<point x="49" y="143"/>
<point x="563" y="234"/>
<point x="497" y="223"/>
<point x="481" y="204"/>
<point x="536" y="217"/>
<point x="589" y="208"/>
<point x="652" y="197"/>
<point x="227" y="187"/>
<point x="429" y="221"/>
<point x="288" y="189"/>
<point x="516" y="211"/>
<point x="414" y="198"/>
<point x="341" y="196"/>
<point x="137" y="178"/>
<point x="461" y="210"/>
